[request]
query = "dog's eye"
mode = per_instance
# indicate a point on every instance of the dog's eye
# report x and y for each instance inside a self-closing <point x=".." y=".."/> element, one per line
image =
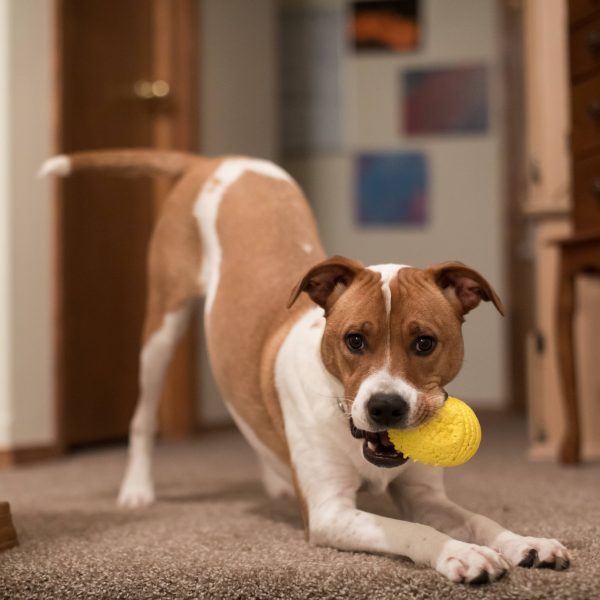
<point x="355" y="342"/>
<point x="425" y="345"/>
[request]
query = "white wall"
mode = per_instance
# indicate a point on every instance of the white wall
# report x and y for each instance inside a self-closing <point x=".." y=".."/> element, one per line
<point x="238" y="87"/>
<point x="5" y="354"/>
<point x="26" y="383"/>
<point x="238" y="109"/>
<point x="466" y="204"/>
<point x="239" y="114"/>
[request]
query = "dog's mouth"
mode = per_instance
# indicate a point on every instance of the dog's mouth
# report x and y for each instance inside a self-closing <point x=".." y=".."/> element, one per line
<point x="377" y="447"/>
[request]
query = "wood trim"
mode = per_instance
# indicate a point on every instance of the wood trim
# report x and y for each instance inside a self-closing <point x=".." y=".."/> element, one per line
<point x="57" y="226"/>
<point x="221" y="426"/>
<point x="518" y="270"/>
<point x="547" y="125"/>
<point x="176" y="61"/>
<point x="543" y="212"/>
<point x="28" y="454"/>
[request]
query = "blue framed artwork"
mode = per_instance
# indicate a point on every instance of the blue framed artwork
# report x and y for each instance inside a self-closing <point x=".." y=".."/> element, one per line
<point x="391" y="188"/>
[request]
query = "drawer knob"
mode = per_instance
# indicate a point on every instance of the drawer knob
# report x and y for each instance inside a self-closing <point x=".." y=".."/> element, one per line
<point x="596" y="187"/>
<point x="593" y="40"/>
<point x="594" y="109"/>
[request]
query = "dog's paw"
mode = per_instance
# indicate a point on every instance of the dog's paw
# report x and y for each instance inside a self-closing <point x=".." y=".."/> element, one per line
<point x="533" y="552"/>
<point x="468" y="563"/>
<point x="135" y="495"/>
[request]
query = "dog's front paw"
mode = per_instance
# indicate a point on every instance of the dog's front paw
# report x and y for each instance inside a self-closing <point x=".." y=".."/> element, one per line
<point x="534" y="552"/>
<point x="135" y="495"/>
<point x="469" y="563"/>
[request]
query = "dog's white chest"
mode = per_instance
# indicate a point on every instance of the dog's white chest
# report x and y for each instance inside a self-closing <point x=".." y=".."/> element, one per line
<point x="309" y="396"/>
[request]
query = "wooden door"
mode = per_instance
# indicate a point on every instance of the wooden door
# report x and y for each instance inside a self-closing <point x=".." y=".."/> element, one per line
<point x="107" y="52"/>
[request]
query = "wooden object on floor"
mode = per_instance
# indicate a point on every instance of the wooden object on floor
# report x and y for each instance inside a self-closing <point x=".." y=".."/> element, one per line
<point x="8" y="535"/>
<point x="579" y="254"/>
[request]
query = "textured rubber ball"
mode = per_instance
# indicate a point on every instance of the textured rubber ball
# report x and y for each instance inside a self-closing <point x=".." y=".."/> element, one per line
<point x="450" y="438"/>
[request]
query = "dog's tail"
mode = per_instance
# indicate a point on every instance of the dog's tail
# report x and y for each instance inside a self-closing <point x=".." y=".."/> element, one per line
<point x="122" y="162"/>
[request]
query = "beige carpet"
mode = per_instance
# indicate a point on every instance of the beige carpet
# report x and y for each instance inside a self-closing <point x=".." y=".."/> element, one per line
<point x="214" y="533"/>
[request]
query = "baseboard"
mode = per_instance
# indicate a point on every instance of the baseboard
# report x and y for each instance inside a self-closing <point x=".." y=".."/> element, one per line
<point x="216" y="427"/>
<point x="27" y="454"/>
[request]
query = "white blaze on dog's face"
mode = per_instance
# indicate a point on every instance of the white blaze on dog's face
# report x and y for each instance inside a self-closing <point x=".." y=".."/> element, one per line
<point x="393" y="338"/>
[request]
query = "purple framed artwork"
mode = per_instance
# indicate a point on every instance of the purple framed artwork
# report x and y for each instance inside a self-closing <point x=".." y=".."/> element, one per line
<point x="445" y="100"/>
<point x="391" y="188"/>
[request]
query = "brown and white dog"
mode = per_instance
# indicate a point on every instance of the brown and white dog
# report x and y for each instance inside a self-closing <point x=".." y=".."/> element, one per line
<point x="314" y="379"/>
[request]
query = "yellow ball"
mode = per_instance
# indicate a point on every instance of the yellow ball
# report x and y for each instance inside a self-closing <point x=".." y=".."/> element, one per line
<point x="450" y="438"/>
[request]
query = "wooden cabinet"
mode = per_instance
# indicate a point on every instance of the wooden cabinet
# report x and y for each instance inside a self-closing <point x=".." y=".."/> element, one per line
<point x="584" y="61"/>
<point x="563" y="140"/>
<point x="585" y="110"/>
<point x="584" y="48"/>
<point x="579" y="254"/>
<point x="580" y="10"/>
<point x="586" y="193"/>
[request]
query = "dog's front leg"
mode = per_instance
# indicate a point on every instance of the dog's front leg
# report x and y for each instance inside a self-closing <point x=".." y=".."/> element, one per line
<point x="334" y="520"/>
<point x="421" y="496"/>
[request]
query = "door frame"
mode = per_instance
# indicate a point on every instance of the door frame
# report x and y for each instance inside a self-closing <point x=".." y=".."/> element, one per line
<point x="519" y="270"/>
<point x="175" y="59"/>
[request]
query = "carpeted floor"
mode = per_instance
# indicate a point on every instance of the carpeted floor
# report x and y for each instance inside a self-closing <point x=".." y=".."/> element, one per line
<point x="215" y="534"/>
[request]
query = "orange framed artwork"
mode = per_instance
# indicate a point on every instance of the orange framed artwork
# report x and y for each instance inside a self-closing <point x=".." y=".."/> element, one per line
<point x="385" y="25"/>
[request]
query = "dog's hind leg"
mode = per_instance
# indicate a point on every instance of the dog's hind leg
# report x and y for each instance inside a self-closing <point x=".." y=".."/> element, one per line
<point x="174" y="266"/>
<point x="137" y="488"/>
<point x="173" y="286"/>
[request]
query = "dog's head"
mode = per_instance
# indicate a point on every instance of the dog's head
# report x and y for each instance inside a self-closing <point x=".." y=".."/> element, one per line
<point x="393" y="338"/>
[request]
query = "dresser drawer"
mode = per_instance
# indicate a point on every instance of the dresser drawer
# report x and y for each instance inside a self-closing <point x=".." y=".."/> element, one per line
<point x="585" y="49"/>
<point x="581" y="9"/>
<point x="585" y="108"/>
<point x="586" y="194"/>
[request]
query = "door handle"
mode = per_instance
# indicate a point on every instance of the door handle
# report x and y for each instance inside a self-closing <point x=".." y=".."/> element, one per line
<point x="150" y="90"/>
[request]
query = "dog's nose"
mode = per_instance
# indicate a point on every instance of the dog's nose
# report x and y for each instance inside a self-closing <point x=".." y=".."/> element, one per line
<point x="387" y="410"/>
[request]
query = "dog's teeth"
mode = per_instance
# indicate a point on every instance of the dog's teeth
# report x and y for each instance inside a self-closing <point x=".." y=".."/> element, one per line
<point x="372" y="446"/>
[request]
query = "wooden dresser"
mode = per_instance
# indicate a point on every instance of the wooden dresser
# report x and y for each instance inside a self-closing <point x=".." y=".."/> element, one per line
<point x="579" y="253"/>
<point x="584" y="58"/>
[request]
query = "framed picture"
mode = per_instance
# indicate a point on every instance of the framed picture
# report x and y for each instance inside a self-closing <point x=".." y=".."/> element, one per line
<point x="445" y="100"/>
<point x="391" y="188"/>
<point x="388" y="25"/>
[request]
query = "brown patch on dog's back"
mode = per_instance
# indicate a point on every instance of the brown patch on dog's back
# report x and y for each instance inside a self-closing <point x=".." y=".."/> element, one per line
<point x="261" y="236"/>
<point x="175" y="254"/>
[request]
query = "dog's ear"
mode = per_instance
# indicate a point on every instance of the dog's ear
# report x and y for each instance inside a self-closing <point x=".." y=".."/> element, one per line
<point x="327" y="281"/>
<point x="464" y="287"/>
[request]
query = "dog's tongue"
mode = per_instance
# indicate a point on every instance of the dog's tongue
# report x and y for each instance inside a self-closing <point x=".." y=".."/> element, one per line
<point x="385" y="440"/>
